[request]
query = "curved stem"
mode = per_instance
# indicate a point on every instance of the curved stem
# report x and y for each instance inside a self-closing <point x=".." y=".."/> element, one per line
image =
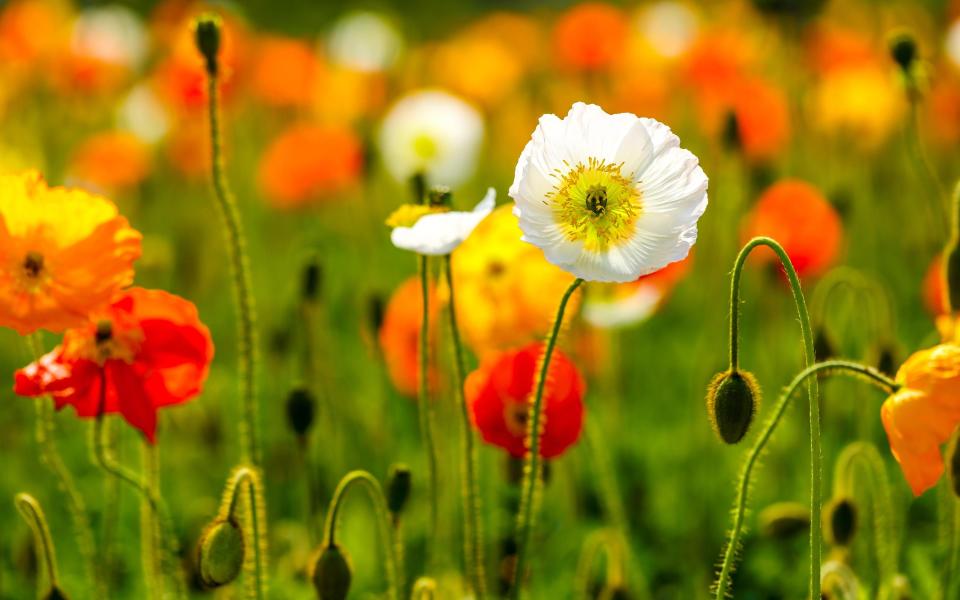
<point x="247" y="479"/>
<point x="599" y="542"/>
<point x="32" y="513"/>
<point x="865" y="373"/>
<point x="532" y="471"/>
<point x="50" y="455"/>
<point x="470" y="496"/>
<point x="242" y="286"/>
<point x="375" y="492"/>
<point x="425" y="410"/>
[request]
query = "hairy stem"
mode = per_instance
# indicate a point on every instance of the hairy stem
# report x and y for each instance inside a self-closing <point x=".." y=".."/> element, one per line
<point x="425" y="410"/>
<point x="246" y="482"/>
<point x="46" y="553"/>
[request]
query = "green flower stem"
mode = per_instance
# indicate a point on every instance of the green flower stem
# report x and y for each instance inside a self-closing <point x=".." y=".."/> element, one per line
<point x="425" y="410"/>
<point x="246" y="480"/>
<point x="50" y="455"/>
<point x="603" y="542"/>
<point x="375" y="492"/>
<point x="32" y="513"/>
<point x="470" y="495"/>
<point x="865" y="373"/>
<point x="149" y="542"/>
<point x="242" y="286"/>
<point x="533" y="467"/>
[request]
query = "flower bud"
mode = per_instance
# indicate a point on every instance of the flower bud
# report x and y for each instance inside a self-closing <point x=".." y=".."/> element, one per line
<point x="332" y="573"/>
<point x="312" y="280"/>
<point x="220" y="553"/>
<point x="207" y="29"/>
<point x="784" y="520"/>
<point x="424" y="588"/>
<point x="55" y="593"/>
<point x="301" y="409"/>
<point x="732" y="401"/>
<point x="398" y="488"/>
<point x="903" y="49"/>
<point x="840" y="523"/>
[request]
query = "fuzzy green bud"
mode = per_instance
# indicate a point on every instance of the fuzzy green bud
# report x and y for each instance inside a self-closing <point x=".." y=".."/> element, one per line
<point x="332" y="573"/>
<point x="903" y="49"/>
<point x="840" y="524"/>
<point x="784" y="520"/>
<point x="732" y="401"/>
<point x="207" y="30"/>
<point x="301" y="409"/>
<point x="220" y="553"/>
<point x="399" y="482"/>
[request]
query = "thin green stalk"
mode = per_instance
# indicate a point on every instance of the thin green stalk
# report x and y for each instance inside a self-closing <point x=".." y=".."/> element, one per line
<point x="246" y="480"/>
<point x="50" y="455"/>
<point x="469" y="488"/>
<point x="149" y="539"/>
<point x="953" y="558"/>
<point x="425" y="410"/>
<point x="533" y="467"/>
<point x="242" y="285"/>
<point x="868" y="374"/>
<point x="46" y="553"/>
<point x="375" y="492"/>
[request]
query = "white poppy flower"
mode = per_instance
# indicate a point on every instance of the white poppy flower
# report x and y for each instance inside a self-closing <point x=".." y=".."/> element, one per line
<point x="434" y="133"/>
<point x="365" y="41"/>
<point x="436" y="232"/>
<point x="608" y="197"/>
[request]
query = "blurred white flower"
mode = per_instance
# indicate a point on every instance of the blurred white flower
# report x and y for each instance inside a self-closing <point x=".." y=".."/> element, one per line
<point x="952" y="43"/>
<point x="112" y="34"/>
<point x="608" y="197"/>
<point x="143" y="114"/>
<point x="365" y="41"/>
<point x="669" y="27"/>
<point x="621" y="311"/>
<point x="434" y="133"/>
<point x="435" y="232"/>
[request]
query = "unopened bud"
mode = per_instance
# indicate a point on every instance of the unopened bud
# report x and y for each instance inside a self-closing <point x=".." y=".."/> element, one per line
<point x="312" y="280"/>
<point x="207" y="29"/>
<point x="332" y="574"/>
<point x="398" y="488"/>
<point x="784" y="520"/>
<point x="301" y="409"/>
<point x="840" y="524"/>
<point x="220" y="553"/>
<point x="903" y="49"/>
<point x="425" y="588"/>
<point x="732" y="401"/>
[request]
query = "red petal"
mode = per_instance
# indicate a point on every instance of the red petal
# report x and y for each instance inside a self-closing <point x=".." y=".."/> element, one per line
<point x="126" y="386"/>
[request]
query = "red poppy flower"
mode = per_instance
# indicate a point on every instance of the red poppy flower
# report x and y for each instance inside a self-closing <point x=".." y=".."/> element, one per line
<point x="499" y="391"/>
<point x="147" y="350"/>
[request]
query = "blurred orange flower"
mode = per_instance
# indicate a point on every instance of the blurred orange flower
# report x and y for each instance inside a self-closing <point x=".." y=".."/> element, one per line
<point x="718" y="59"/>
<point x="188" y="147"/>
<point x="493" y="70"/>
<point x="590" y="36"/>
<point x="506" y="290"/>
<point x="761" y="112"/>
<point x="111" y="160"/>
<point x="284" y="72"/>
<point x="400" y="334"/>
<point x="309" y="161"/>
<point x="63" y="254"/>
<point x="32" y="32"/>
<point x="796" y="214"/>
<point x="923" y="413"/>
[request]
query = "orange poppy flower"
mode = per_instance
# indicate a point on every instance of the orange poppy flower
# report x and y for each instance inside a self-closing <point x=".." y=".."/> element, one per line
<point x="923" y="413"/>
<point x="590" y="36"/>
<point x="63" y="253"/>
<point x="400" y="334"/>
<point x="188" y="148"/>
<point x="112" y="160"/>
<point x="147" y="350"/>
<point x="33" y="32"/>
<point x="285" y="72"/>
<point x="797" y="215"/>
<point x="310" y="161"/>
<point x="763" y="119"/>
<point x="498" y="394"/>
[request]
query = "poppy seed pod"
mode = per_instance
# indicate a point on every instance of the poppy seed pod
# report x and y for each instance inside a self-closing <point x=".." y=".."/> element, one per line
<point x="732" y="400"/>
<point x="220" y="553"/>
<point x="784" y="520"/>
<point x="398" y="488"/>
<point x="207" y="36"/>
<point x="841" y="523"/>
<point x="903" y="49"/>
<point x="332" y="573"/>
<point x="301" y="409"/>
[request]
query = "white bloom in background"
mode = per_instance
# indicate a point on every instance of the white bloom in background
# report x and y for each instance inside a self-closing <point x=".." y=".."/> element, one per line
<point x="143" y="114"/>
<point x="435" y="231"/>
<point x="669" y="27"/>
<point x="637" y="306"/>
<point x="365" y="41"/>
<point x="112" y="34"/>
<point x="608" y="197"/>
<point x="952" y="43"/>
<point x="434" y="133"/>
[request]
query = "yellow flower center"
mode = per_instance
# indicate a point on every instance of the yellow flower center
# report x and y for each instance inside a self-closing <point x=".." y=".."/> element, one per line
<point x="425" y="147"/>
<point x="408" y="214"/>
<point x="595" y="204"/>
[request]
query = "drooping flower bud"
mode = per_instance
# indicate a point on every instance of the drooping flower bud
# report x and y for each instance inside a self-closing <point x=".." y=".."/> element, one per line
<point x="398" y="488"/>
<point x="840" y="524"/>
<point x="732" y="400"/>
<point x="312" y="280"/>
<point x="207" y="29"/>
<point x="332" y="573"/>
<point x="784" y="520"/>
<point x="903" y="49"/>
<point x="301" y="410"/>
<point x="220" y="553"/>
